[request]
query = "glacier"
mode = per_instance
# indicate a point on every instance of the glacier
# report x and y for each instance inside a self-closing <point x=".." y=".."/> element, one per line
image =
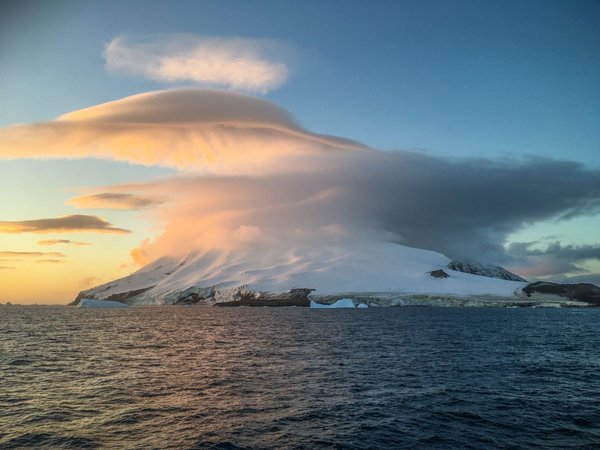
<point x="91" y="303"/>
<point x="341" y="303"/>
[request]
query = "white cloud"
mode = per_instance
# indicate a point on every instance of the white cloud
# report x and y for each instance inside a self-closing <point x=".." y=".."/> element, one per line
<point x="251" y="65"/>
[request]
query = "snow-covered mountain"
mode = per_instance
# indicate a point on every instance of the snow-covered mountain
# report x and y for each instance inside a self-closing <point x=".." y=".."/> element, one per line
<point x="476" y="268"/>
<point x="375" y="273"/>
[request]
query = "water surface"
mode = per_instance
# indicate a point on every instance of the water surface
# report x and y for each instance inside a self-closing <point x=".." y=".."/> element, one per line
<point x="299" y="378"/>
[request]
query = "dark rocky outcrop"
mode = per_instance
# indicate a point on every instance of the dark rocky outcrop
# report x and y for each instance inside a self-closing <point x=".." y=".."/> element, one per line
<point x="476" y="268"/>
<point x="295" y="297"/>
<point x="79" y="297"/>
<point x="438" y="274"/>
<point x="121" y="297"/>
<point x="190" y="299"/>
<point x="584" y="292"/>
<point x="195" y="296"/>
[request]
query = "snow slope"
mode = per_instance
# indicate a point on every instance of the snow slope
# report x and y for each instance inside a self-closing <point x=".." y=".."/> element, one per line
<point x="366" y="270"/>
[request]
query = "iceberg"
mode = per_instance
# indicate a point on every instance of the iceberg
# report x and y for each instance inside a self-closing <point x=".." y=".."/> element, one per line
<point x="341" y="303"/>
<point x="91" y="303"/>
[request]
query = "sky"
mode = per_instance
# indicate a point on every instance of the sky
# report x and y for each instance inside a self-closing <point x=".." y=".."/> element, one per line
<point x="129" y="130"/>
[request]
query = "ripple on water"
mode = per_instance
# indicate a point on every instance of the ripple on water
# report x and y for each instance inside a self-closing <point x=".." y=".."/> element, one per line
<point x="298" y="378"/>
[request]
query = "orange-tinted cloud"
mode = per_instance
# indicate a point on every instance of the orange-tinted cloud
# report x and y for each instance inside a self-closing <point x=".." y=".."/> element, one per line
<point x="114" y="200"/>
<point x="88" y="281"/>
<point x="255" y="182"/>
<point x="62" y="241"/>
<point x="64" y="224"/>
<point x="7" y="268"/>
<point x="49" y="261"/>
<point x="10" y="254"/>
<point x="382" y="196"/>
<point x="193" y="129"/>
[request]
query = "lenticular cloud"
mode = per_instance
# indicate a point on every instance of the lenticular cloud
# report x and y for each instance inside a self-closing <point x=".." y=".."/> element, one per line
<point x="251" y="180"/>
<point x="191" y="129"/>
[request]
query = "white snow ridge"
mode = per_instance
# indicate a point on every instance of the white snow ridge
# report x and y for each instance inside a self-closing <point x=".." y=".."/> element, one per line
<point x="368" y="273"/>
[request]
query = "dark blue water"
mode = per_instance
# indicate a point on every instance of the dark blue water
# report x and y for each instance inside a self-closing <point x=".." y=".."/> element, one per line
<point x="299" y="378"/>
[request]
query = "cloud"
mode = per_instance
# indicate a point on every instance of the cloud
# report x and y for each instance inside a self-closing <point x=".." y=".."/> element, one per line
<point x="192" y="129"/>
<point x="554" y="259"/>
<point x="49" y="261"/>
<point x="252" y="65"/>
<point x="571" y="252"/>
<point x="9" y="254"/>
<point x="593" y="278"/>
<point x="62" y="241"/>
<point x="252" y="181"/>
<point x="7" y="268"/>
<point x="64" y="224"/>
<point x="114" y="200"/>
<point x="89" y="281"/>
<point x="460" y="207"/>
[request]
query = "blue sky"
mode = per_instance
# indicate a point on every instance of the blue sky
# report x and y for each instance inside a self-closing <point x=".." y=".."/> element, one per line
<point x="465" y="77"/>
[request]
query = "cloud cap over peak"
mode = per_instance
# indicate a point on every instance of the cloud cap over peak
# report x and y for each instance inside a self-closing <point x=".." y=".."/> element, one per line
<point x="251" y="65"/>
<point x="186" y="105"/>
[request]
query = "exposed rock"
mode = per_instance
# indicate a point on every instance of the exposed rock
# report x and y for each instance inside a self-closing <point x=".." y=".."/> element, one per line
<point x="120" y="297"/>
<point x="194" y="296"/>
<point x="294" y="297"/>
<point x="585" y="292"/>
<point x="438" y="274"/>
<point x="491" y="271"/>
<point x="79" y="297"/>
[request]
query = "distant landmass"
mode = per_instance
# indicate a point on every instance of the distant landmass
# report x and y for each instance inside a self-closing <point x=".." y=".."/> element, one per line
<point x="373" y="274"/>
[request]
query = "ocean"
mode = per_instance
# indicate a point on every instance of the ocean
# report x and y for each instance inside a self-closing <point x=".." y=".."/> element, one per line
<point x="270" y="378"/>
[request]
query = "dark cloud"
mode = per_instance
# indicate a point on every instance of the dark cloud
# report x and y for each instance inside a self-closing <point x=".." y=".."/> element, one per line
<point x="556" y="249"/>
<point x="64" y="224"/>
<point x="62" y="241"/>
<point x="593" y="278"/>
<point x="468" y="207"/>
<point x="554" y="259"/>
<point x="115" y="200"/>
